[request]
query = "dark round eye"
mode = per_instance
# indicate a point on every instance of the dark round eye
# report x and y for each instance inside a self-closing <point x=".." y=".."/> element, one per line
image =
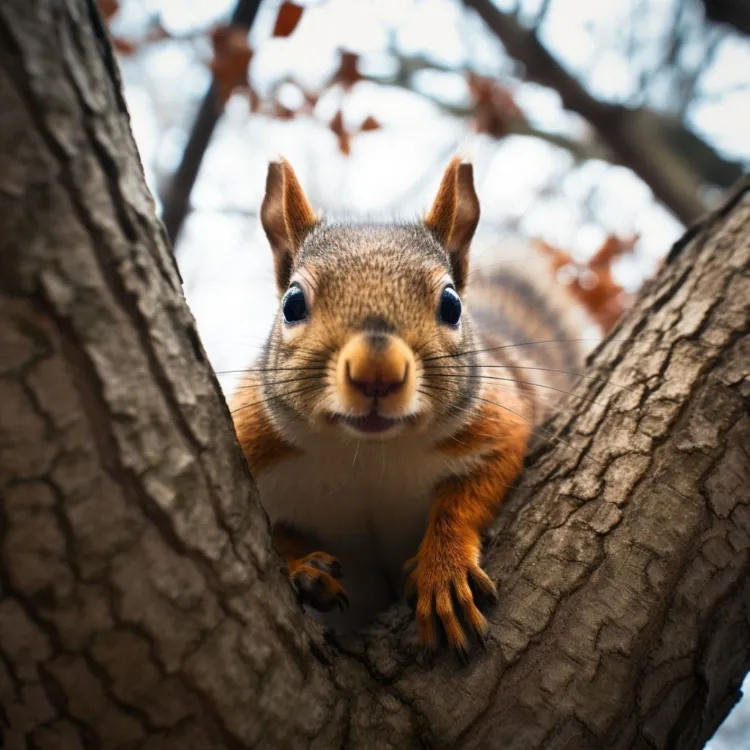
<point x="450" y="306"/>
<point x="293" y="306"/>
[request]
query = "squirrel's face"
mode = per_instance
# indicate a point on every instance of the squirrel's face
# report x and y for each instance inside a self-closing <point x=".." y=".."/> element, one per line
<point x="371" y="336"/>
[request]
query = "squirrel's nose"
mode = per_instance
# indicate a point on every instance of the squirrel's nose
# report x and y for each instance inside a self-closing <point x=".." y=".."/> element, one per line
<point x="376" y="382"/>
<point x="376" y="366"/>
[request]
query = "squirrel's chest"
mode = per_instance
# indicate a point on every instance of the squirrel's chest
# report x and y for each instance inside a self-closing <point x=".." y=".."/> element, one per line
<point x="368" y="500"/>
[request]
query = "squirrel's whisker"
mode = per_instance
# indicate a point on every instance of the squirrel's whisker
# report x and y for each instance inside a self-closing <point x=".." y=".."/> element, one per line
<point x="280" y="395"/>
<point x="281" y="382"/>
<point x="248" y="370"/>
<point x="512" y="411"/>
<point x="606" y="381"/>
<point x="525" y="382"/>
<point x="507" y="346"/>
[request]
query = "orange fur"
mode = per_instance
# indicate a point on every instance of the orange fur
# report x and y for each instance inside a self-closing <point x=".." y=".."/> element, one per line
<point x="313" y="574"/>
<point x="261" y="442"/>
<point x="448" y="557"/>
<point x="455" y="214"/>
<point x="386" y="435"/>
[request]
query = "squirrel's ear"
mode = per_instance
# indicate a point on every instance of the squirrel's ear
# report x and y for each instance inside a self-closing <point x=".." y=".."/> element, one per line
<point x="286" y="217"/>
<point x="454" y="215"/>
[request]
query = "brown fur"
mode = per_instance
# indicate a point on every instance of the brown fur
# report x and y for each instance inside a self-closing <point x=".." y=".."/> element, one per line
<point x="261" y="442"/>
<point x="314" y="574"/>
<point x="286" y="216"/>
<point x="454" y="216"/>
<point x="462" y="418"/>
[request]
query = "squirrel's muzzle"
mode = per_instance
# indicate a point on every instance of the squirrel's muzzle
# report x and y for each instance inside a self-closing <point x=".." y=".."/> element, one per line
<point x="376" y="367"/>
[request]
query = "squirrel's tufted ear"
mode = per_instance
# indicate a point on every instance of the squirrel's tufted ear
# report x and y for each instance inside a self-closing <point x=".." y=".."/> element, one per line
<point x="454" y="215"/>
<point x="286" y="217"/>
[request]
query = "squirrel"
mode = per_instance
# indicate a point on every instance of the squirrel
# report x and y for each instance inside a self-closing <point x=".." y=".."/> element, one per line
<point x="390" y="410"/>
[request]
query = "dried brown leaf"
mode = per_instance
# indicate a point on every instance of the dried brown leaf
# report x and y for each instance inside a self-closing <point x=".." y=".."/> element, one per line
<point x="108" y="8"/>
<point x="345" y="144"/>
<point x="592" y="283"/>
<point x="495" y="107"/>
<point x="344" y="138"/>
<point x="232" y="55"/>
<point x="337" y="124"/>
<point x="347" y="73"/>
<point x="280" y="112"/>
<point x="288" y="18"/>
<point x="123" y="46"/>
<point x="255" y="101"/>
<point x="370" y="123"/>
<point x="311" y="98"/>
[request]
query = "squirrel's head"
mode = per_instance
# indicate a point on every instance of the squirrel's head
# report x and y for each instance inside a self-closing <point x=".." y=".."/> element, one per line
<point x="370" y="338"/>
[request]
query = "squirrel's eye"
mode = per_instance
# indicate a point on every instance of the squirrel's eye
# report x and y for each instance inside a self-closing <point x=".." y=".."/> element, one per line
<point x="450" y="306"/>
<point x="293" y="306"/>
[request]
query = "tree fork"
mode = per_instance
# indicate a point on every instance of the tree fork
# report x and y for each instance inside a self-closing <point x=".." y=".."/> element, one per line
<point x="141" y="603"/>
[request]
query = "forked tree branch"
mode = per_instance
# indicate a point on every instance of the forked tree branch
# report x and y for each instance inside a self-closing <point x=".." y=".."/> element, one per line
<point x="141" y="602"/>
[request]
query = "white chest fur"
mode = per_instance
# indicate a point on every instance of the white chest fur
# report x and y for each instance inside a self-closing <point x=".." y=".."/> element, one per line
<point x="366" y="502"/>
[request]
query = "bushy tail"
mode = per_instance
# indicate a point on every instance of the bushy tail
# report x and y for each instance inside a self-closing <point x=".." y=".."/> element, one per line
<point x="517" y="303"/>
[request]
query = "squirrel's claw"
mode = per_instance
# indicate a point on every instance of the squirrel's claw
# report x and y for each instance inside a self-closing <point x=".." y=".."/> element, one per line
<point x="325" y="562"/>
<point x="315" y="581"/>
<point x="482" y="587"/>
<point x="442" y="588"/>
<point x="481" y="640"/>
<point x="462" y="654"/>
<point x="426" y="657"/>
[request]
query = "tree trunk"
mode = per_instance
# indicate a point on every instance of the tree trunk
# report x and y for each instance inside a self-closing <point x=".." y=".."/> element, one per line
<point x="141" y="604"/>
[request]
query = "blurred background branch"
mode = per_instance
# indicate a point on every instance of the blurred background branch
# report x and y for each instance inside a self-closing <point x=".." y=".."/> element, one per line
<point x="647" y="131"/>
<point x="176" y="192"/>
<point x="640" y="138"/>
<point x="733" y="12"/>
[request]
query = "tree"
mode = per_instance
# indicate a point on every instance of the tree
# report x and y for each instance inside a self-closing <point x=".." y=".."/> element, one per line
<point x="177" y="192"/>
<point x="649" y="123"/>
<point x="141" y="604"/>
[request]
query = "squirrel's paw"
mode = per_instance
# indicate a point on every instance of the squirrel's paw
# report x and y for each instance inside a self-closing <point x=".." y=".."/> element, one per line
<point x="314" y="578"/>
<point x="442" y="582"/>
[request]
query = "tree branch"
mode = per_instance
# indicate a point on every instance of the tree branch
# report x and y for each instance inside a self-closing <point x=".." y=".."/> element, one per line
<point x="409" y="66"/>
<point x="733" y="12"/>
<point x="629" y="132"/>
<point x="176" y="194"/>
<point x="693" y="150"/>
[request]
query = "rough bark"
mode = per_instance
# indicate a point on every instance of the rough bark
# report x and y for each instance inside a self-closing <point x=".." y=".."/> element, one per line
<point x="141" y="604"/>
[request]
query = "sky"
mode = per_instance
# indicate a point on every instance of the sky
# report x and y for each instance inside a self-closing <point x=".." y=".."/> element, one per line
<point x="223" y="256"/>
<point x="393" y="172"/>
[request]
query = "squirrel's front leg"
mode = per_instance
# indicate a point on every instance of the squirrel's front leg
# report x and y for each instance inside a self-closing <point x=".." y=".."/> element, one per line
<point x="314" y="575"/>
<point x="446" y="567"/>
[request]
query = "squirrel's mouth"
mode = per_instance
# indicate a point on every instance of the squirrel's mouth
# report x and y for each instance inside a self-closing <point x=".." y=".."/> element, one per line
<point x="371" y="423"/>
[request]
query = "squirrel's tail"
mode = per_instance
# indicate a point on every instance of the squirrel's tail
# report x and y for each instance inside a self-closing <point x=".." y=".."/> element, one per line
<point x="527" y="318"/>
